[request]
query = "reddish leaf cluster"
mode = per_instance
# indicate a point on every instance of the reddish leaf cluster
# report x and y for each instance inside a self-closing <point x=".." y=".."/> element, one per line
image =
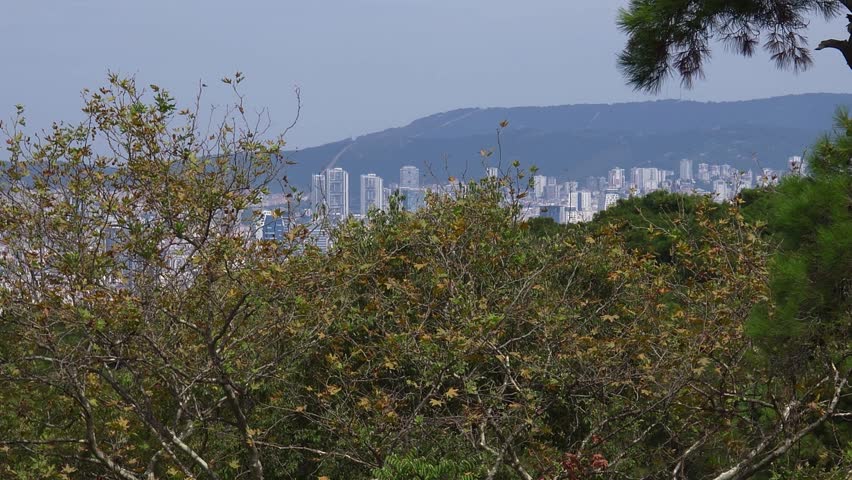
<point x="578" y="466"/>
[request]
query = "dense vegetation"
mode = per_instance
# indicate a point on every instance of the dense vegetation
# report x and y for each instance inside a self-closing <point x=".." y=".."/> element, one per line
<point x="145" y="335"/>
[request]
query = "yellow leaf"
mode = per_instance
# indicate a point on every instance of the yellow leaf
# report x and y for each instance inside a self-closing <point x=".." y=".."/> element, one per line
<point x="300" y="408"/>
<point x="235" y="464"/>
<point x="452" y="393"/>
<point x="333" y="390"/>
<point x="121" y="423"/>
<point x="364" y="402"/>
<point x="504" y="124"/>
<point x="68" y="469"/>
<point x="420" y="266"/>
<point x="435" y="402"/>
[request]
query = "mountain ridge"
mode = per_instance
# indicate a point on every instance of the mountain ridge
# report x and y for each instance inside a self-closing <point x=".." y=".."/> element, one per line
<point x="574" y="141"/>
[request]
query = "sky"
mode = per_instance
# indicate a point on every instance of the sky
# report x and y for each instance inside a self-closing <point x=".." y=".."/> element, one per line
<point x="362" y="65"/>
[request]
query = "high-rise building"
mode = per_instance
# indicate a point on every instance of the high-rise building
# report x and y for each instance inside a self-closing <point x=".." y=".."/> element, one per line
<point x="318" y="192"/>
<point x="409" y="177"/>
<point x="321" y="238"/>
<point x="386" y="194"/>
<point x="645" y="179"/>
<point x="768" y="177"/>
<point x="611" y="197"/>
<point x="539" y="184"/>
<point x="492" y="172"/>
<point x="721" y="192"/>
<point x="330" y="194"/>
<point x="616" y="178"/>
<point x="703" y="172"/>
<point x="559" y="213"/>
<point x="372" y="197"/>
<point x="747" y="180"/>
<point x="572" y="199"/>
<point x="715" y="171"/>
<point x="726" y="171"/>
<point x="270" y="226"/>
<point x="796" y="165"/>
<point x="686" y="170"/>
<point x="412" y="199"/>
<point x="585" y="201"/>
<point x="551" y="191"/>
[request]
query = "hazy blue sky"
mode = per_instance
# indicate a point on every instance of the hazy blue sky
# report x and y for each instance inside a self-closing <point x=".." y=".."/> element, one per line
<point x="363" y="65"/>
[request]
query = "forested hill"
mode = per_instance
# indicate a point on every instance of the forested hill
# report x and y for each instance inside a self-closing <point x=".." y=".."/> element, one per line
<point x="574" y="141"/>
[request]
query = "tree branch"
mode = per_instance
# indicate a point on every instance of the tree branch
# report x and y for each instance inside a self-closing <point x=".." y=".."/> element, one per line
<point x="754" y="463"/>
<point x="843" y="46"/>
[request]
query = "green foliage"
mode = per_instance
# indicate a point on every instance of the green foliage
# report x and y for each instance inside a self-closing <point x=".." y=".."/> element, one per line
<point x="810" y="218"/>
<point x="545" y="227"/>
<point x="653" y="223"/>
<point x="804" y="326"/>
<point x="423" y="469"/>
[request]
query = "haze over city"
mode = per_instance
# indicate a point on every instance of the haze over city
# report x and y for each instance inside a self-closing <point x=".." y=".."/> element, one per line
<point x="362" y="65"/>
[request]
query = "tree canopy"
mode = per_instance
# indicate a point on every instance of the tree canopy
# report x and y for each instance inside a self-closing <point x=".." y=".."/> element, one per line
<point x="145" y="333"/>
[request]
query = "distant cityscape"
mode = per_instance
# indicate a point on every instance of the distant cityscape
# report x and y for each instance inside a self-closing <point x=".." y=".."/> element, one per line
<point x="563" y="201"/>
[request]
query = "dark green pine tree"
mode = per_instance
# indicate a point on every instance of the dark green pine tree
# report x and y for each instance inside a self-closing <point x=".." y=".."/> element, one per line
<point x="810" y="216"/>
<point x="669" y="38"/>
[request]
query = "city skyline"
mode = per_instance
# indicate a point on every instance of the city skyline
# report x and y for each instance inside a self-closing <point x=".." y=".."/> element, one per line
<point x="564" y="201"/>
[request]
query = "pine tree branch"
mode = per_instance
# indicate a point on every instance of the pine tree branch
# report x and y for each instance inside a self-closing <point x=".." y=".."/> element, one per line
<point x="843" y="46"/>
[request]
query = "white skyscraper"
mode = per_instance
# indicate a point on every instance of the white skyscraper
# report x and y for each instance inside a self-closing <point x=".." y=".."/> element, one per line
<point x="539" y="184"/>
<point x="721" y="191"/>
<point x="715" y="171"/>
<point x="796" y="165"/>
<point x="616" y="178"/>
<point x="703" y="172"/>
<point x="317" y="192"/>
<point x="610" y="199"/>
<point x="686" y="170"/>
<point x="572" y="200"/>
<point x="585" y="201"/>
<point x="330" y="193"/>
<point x="409" y="177"/>
<point x="646" y="179"/>
<point x="372" y="187"/>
